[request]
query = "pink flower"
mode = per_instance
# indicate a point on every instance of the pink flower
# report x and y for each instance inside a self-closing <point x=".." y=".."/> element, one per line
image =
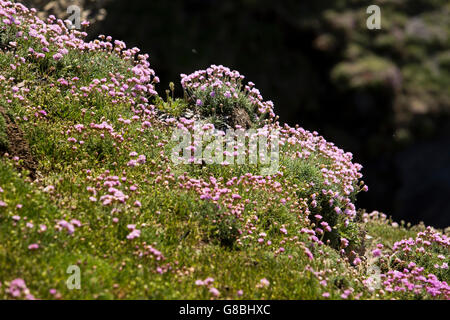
<point x="33" y="246"/>
<point x="66" y="225"/>
<point x="214" y="292"/>
<point x="132" y="163"/>
<point x="141" y="159"/>
<point x="308" y="253"/>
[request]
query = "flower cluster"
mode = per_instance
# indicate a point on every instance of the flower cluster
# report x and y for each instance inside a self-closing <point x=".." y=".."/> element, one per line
<point x="219" y="90"/>
<point x="18" y="289"/>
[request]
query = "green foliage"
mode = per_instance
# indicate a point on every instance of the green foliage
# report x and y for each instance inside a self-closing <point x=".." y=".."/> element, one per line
<point x="196" y="239"/>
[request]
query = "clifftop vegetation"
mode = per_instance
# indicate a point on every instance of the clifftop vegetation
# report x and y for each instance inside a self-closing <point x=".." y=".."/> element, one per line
<point x="88" y="183"/>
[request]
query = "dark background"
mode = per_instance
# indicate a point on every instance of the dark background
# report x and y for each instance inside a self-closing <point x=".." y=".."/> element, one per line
<point x="381" y="94"/>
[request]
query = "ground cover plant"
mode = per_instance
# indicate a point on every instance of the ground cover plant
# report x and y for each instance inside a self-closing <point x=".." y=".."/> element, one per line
<point x="87" y="183"/>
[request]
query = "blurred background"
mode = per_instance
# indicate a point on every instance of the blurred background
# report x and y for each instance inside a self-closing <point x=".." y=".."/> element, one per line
<point x="381" y="94"/>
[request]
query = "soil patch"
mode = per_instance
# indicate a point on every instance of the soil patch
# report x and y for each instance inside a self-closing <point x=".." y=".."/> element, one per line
<point x="17" y="145"/>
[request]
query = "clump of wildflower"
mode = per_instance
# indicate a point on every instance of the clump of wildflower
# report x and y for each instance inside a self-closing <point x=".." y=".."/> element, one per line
<point x="219" y="92"/>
